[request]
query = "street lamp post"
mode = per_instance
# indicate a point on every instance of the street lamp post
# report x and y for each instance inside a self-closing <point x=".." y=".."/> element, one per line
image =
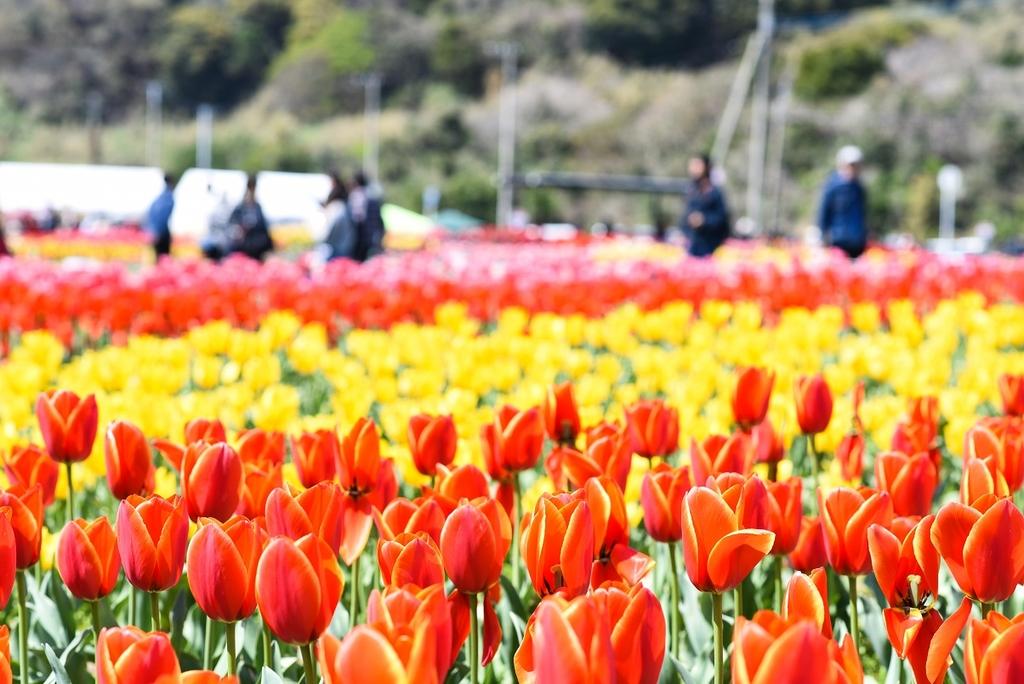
<point x="509" y="55"/>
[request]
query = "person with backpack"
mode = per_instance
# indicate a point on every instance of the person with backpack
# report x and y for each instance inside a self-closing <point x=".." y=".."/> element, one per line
<point x="706" y="218"/>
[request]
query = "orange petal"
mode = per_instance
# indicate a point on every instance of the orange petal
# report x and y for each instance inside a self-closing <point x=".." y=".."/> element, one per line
<point x="735" y="555"/>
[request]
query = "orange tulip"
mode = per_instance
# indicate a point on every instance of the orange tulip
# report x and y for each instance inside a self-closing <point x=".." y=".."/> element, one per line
<point x="768" y="444"/>
<point x="614" y="560"/>
<point x="982" y="483"/>
<point x="918" y="432"/>
<point x="1011" y="389"/>
<point x="464" y="482"/>
<point x="813" y="404"/>
<point x="366" y="655"/>
<point x="810" y="547"/>
<point x="402" y="615"/>
<point x="608" y="454"/>
<point x="409" y="559"/>
<point x="751" y="396"/>
<point x="746" y="496"/>
<point x="206" y="677"/>
<point x="785" y="514"/>
<point x="653" y="428"/>
<point x="196" y="430"/>
<point x="152" y="535"/>
<point x="361" y="473"/>
<point x="517" y="439"/>
<point x="850" y="455"/>
<point x="26" y="506"/>
<point x="298" y="585"/>
<point x="129" y="461"/>
<point x="806" y="598"/>
<point x="718" y="454"/>
<point x="718" y="554"/>
<point x="315" y="511"/>
<point x="846" y="515"/>
<point x="661" y="492"/>
<point x="222" y="559"/>
<point x="261" y="448"/>
<point x="490" y="446"/>
<point x="909" y="480"/>
<point x="426" y="514"/>
<point x="6" y="675"/>
<point x="127" y="655"/>
<point x="432" y="441"/>
<point x="211" y="480"/>
<point x="68" y="424"/>
<point x="637" y="630"/>
<point x="557" y="544"/>
<point x="30" y="465"/>
<point x="768" y="649"/>
<point x="87" y="558"/>
<point x="474" y="542"/>
<point x="983" y="551"/>
<point x="8" y="556"/>
<point x="1002" y="440"/>
<point x="561" y="418"/>
<point x="316" y="456"/>
<point x="257" y="484"/>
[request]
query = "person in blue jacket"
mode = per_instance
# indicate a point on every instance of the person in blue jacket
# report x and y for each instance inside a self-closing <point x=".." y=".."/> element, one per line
<point x="843" y="213"/>
<point x="706" y="219"/>
<point x="158" y="218"/>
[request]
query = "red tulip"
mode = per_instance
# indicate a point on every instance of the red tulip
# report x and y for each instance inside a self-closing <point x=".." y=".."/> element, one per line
<point x="850" y="455"/>
<point x="813" y="404"/>
<point x="909" y="480"/>
<point x="1002" y="440"/>
<point x="768" y="649"/>
<point x="211" y="480"/>
<point x="6" y="676"/>
<point x="993" y="651"/>
<point x="206" y="677"/>
<point x="316" y="456"/>
<point x="409" y="559"/>
<point x="298" y="585"/>
<point x="768" y="444"/>
<point x="432" y="441"/>
<point x="614" y="560"/>
<point x="846" y="515"/>
<point x="1011" y="389"/>
<point x="129" y="461"/>
<point x="315" y="511"/>
<point x="750" y="399"/>
<point x="8" y="559"/>
<point x="561" y="418"/>
<point x="557" y="544"/>
<point x="366" y="655"/>
<point x="982" y="483"/>
<point x="404" y="615"/>
<point x="719" y="455"/>
<point x="637" y="630"/>
<point x="918" y="432"/>
<point x="464" y="482"/>
<point x="261" y="448"/>
<point x="222" y="559"/>
<point x="518" y="438"/>
<point x="152" y="535"/>
<point x="68" y="424"/>
<point x="983" y="551"/>
<point x="87" y="558"/>
<point x="806" y="598"/>
<point x="661" y="492"/>
<point x="810" y="547"/>
<point x="425" y="515"/>
<point x="653" y="428"/>
<point x="127" y="655"/>
<point x="257" y="484"/>
<point x="474" y="542"/>
<point x="785" y="514"/>
<point x="31" y="465"/>
<point x="26" y="507"/>
<point x="718" y="554"/>
<point x="205" y="430"/>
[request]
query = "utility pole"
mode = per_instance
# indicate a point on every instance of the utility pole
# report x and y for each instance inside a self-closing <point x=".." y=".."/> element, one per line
<point x="204" y="136"/>
<point x="93" y="122"/>
<point x="371" y="126"/>
<point x="759" y="113"/>
<point x="509" y="54"/>
<point x="154" y="123"/>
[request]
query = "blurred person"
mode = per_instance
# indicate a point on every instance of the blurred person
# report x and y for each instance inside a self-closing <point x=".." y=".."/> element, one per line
<point x="364" y="206"/>
<point x="248" y="228"/>
<point x="706" y="219"/>
<point x="842" y="217"/>
<point x="4" y="251"/>
<point x="342" y="237"/>
<point x="217" y="243"/>
<point x="158" y="218"/>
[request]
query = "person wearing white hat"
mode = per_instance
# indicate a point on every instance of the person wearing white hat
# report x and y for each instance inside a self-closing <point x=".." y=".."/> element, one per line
<point x="842" y="217"/>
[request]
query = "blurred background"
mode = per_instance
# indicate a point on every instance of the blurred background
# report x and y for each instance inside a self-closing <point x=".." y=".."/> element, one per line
<point x="421" y="94"/>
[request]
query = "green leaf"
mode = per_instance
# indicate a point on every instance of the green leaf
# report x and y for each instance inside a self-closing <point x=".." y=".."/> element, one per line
<point x="514" y="600"/>
<point x="47" y="615"/>
<point x="60" y="673"/>
<point x="270" y="677"/>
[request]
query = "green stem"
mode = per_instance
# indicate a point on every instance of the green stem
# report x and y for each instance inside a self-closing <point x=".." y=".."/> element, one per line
<point x="903" y="671"/>
<point x="813" y="451"/>
<point x="353" y="596"/>
<point x="131" y="605"/>
<point x="208" y="646"/>
<point x="308" y="663"/>
<point x="517" y="505"/>
<point x="474" y="642"/>
<point x="96" y="626"/>
<point x="230" y="641"/>
<point x="22" y="627"/>
<point x="773" y="471"/>
<point x="854" y="613"/>
<point x="267" y="660"/>
<point x="71" y="493"/>
<point x="675" y="617"/>
<point x="716" y="611"/>
<point x="986" y="608"/>
<point x="154" y="608"/>
<point x="737" y="602"/>
<point x="779" y="592"/>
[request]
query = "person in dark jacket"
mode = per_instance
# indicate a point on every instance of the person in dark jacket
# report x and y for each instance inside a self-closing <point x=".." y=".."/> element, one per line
<point x="364" y="207"/>
<point x="843" y="213"/>
<point x="158" y="218"/>
<point x="248" y="226"/>
<point x="706" y="219"/>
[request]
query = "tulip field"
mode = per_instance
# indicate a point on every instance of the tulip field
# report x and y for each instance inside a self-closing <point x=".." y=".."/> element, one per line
<point x="538" y="463"/>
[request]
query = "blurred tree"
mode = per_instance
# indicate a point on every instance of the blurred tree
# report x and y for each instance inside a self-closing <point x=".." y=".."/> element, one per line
<point x="458" y="58"/>
<point x="471" y="193"/>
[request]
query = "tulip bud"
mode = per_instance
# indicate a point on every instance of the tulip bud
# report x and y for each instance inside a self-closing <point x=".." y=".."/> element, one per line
<point x="87" y="558"/>
<point x="68" y="424"/>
